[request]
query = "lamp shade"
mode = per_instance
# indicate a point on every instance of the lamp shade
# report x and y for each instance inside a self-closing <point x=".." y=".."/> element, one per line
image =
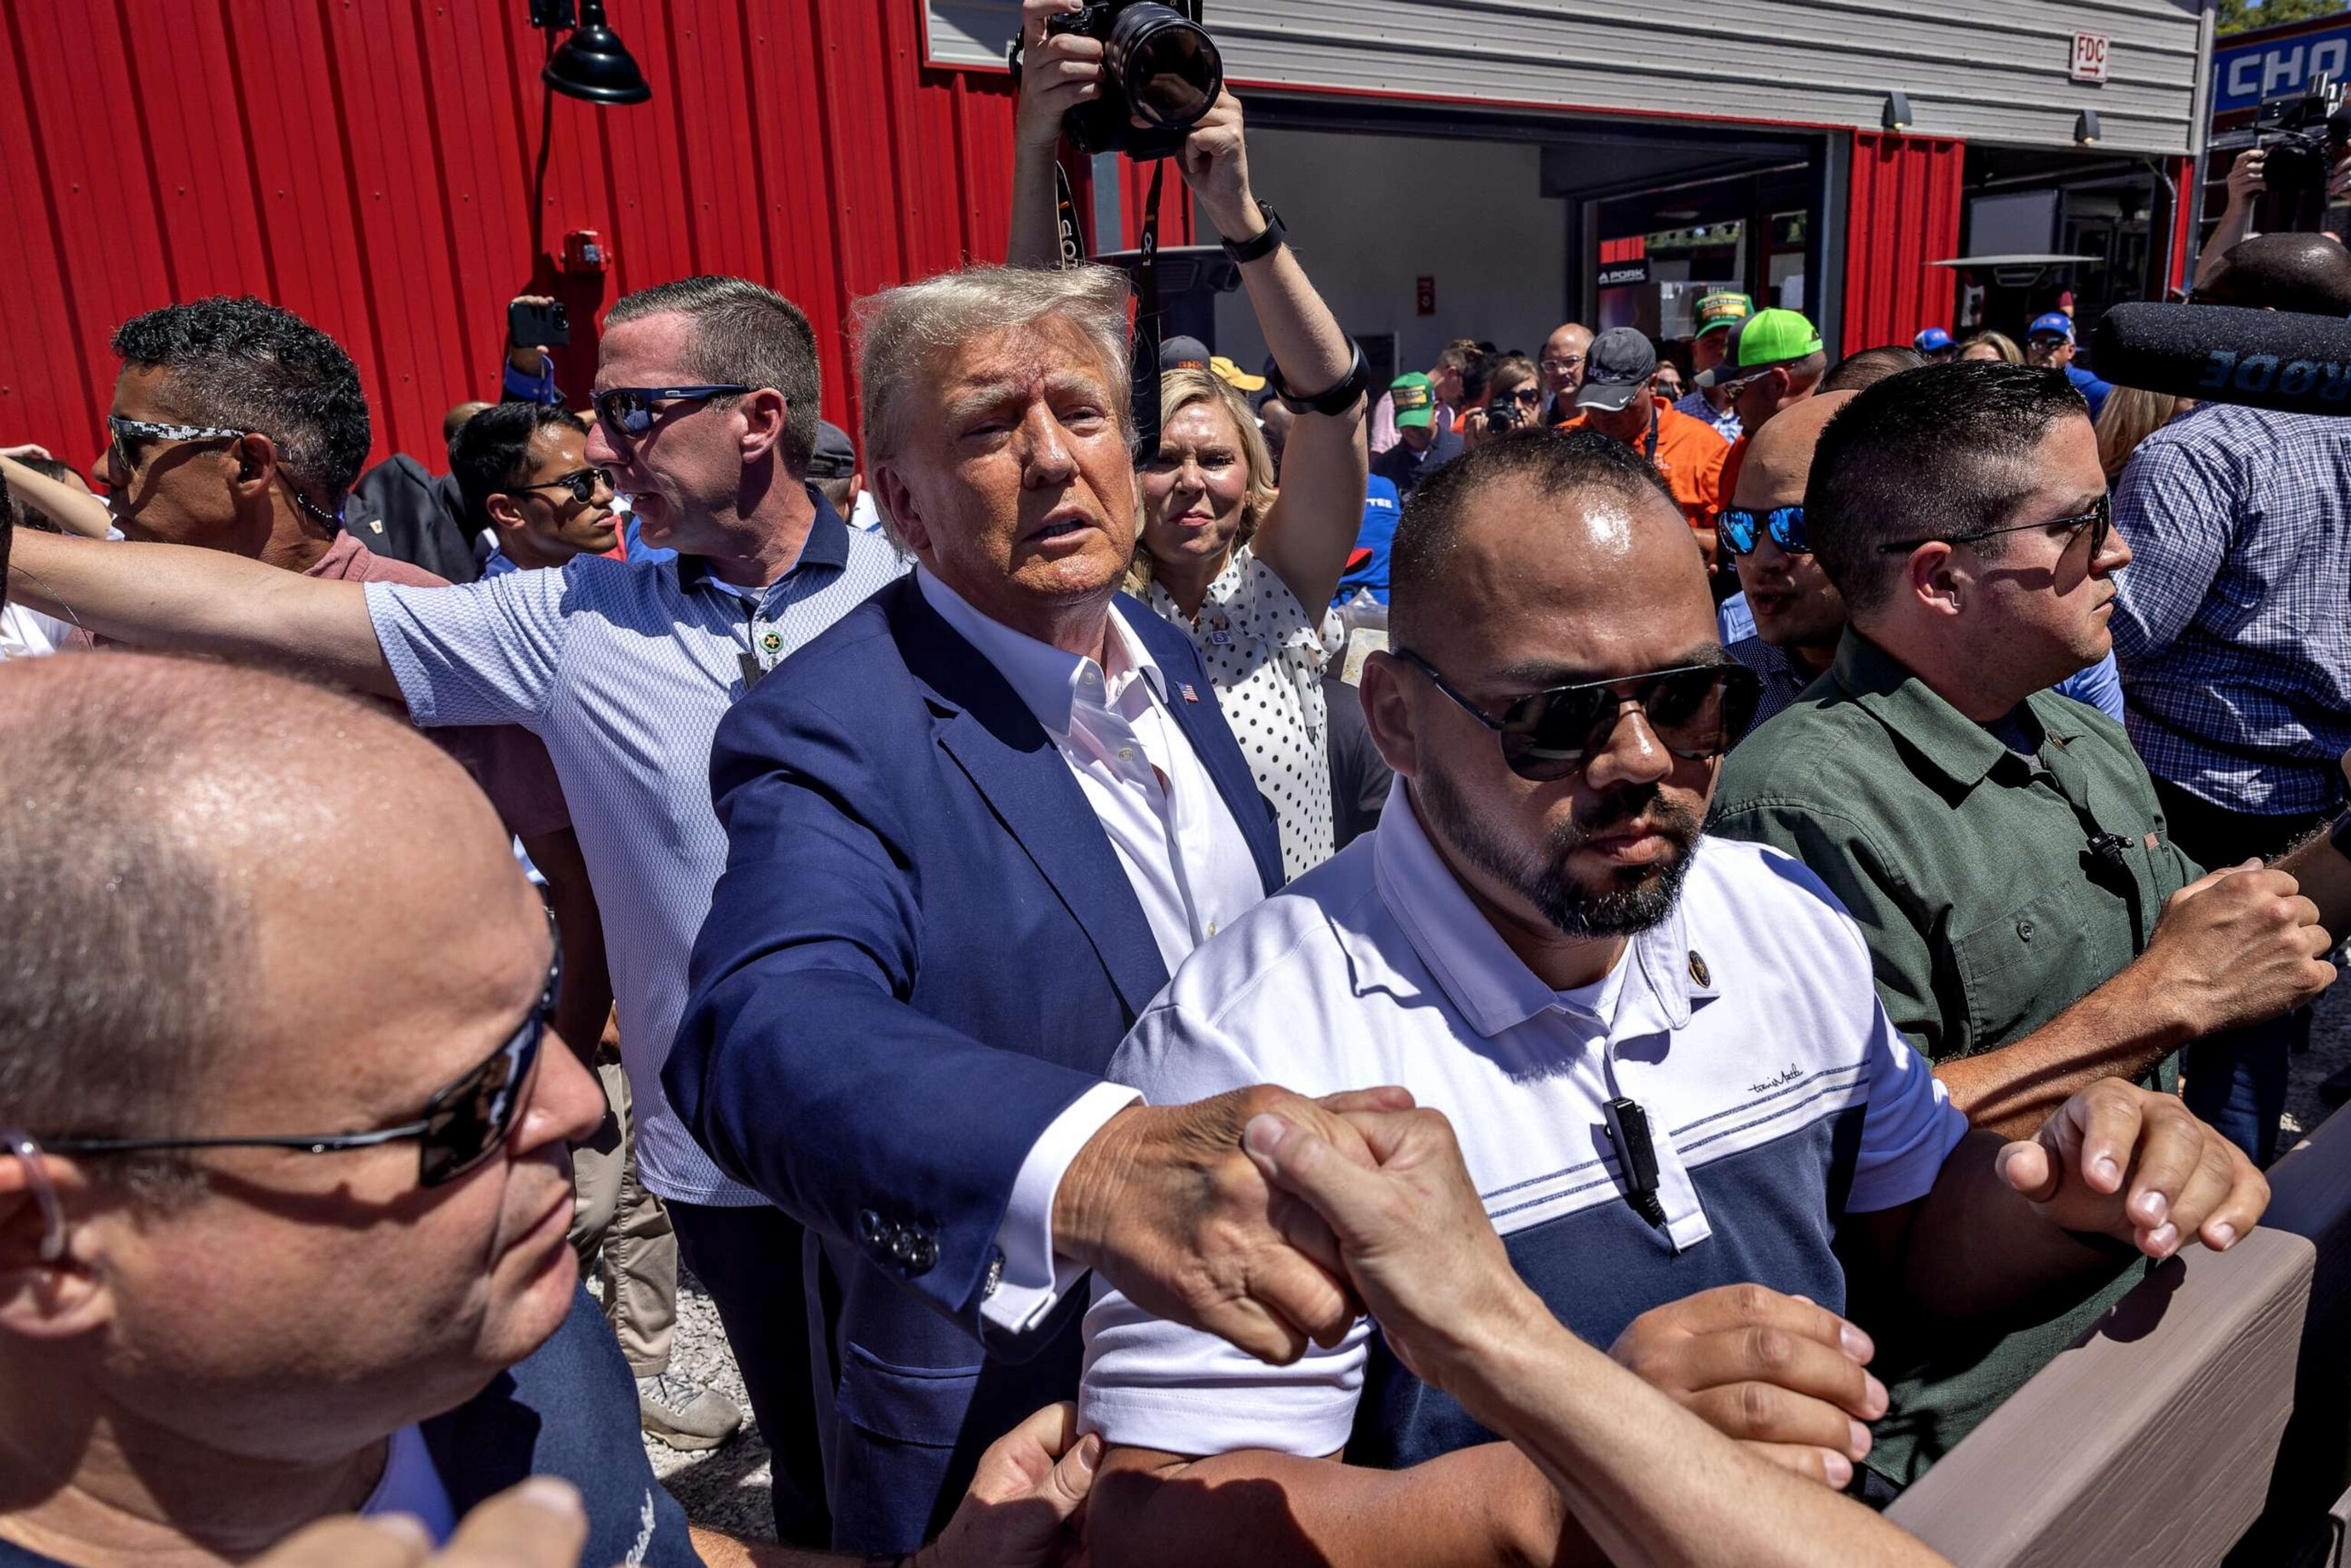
<point x="592" y="63"/>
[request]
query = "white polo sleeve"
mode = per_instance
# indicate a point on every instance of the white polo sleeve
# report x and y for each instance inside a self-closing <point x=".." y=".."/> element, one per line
<point x="476" y="652"/>
<point x="1151" y="1383"/>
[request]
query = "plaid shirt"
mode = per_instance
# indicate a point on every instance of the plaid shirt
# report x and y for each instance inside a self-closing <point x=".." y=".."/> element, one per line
<point x="1725" y="419"/>
<point x="2232" y="624"/>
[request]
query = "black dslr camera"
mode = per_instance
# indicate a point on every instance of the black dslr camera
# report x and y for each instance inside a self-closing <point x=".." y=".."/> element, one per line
<point x="1159" y="66"/>
<point x="2304" y="136"/>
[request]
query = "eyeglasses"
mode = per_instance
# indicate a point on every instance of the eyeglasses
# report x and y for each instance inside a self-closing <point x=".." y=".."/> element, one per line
<point x="583" y="484"/>
<point x="462" y="1125"/>
<point x="1742" y="531"/>
<point x="1558" y="366"/>
<point x="126" y="453"/>
<point x="1695" y="710"/>
<point x="628" y="412"/>
<point x="2099" y="519"/>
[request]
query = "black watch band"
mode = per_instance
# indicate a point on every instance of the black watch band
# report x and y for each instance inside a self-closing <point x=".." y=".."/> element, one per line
<point x="1272" y="237"/>
<point x="1336" y="401"/>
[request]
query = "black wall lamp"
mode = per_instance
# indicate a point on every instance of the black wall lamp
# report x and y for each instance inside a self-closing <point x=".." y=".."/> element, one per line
<point x="592" y="63"/>
<point x="1897" y="114"/>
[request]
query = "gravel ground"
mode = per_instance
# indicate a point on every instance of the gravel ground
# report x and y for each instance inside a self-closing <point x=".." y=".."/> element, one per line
<point x="726" y="1488"/>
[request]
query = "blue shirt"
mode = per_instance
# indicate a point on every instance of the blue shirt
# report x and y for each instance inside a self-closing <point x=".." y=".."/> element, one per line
<point x="624" y="670"/>
<point x="2090" y="387"/>
<point x="516" y="387"/>
<point x="1381" y="507"/>
<point x="2232" y="624"/>
<point x="1725" y="420"/>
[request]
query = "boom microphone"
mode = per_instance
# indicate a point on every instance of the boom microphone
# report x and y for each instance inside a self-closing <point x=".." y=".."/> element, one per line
<point x="2224" y="353"/>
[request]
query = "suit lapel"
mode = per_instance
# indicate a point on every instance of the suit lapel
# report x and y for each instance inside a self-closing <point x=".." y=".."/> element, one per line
<point x="1202" y="721"/>
<point x="981" y="723"/>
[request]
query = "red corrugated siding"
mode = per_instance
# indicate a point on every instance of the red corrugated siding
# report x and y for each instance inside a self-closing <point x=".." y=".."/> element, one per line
<point x="1905" y="215"/>
<point x="369" y="163"/>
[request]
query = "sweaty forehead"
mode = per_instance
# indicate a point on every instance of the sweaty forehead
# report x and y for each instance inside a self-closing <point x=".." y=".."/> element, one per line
<point x="1596" y="580"/>
<point x="650" y="351"/>
<point x="555" y="450"/>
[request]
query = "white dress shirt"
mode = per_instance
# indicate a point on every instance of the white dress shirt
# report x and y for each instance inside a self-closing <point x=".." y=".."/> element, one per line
<point x="1183" y="853"/>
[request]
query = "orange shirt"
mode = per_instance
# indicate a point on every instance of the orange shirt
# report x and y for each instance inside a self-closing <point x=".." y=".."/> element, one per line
<point x="1732" y="462"/>
<point x="1689" y="459"/>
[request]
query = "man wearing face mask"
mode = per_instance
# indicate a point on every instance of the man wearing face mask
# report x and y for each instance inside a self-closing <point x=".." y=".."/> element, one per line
<point x="1664" y="1049"/>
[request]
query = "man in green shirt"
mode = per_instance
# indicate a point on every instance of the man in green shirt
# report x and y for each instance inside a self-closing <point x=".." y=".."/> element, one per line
<point x="2031" y="927"/>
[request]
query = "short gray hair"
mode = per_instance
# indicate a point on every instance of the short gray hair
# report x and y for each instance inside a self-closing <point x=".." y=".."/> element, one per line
<point x="744" y="335"/>
<point x="901" y="331"/>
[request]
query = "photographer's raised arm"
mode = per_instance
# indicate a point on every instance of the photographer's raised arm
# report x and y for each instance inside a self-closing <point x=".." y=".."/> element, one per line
<point x="203" y="601"/>
<point x="1311" y="526"/>
<point x="1057" y="73"/>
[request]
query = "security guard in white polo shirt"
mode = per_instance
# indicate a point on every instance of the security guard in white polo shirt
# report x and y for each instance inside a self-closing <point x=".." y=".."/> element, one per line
<point x="1663" y="1054"/>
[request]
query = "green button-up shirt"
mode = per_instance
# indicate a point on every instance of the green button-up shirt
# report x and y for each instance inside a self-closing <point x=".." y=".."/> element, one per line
<point x="1972" y="873"/>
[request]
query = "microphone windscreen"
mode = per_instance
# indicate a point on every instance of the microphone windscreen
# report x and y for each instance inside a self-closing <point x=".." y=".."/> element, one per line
<point x="2223" y="354"/>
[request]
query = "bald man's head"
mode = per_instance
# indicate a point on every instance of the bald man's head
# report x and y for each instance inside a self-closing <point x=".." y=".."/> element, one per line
<point x="1779" y="455"/>
<point x="2305" y="273"/>
<point x="178" y="837"/>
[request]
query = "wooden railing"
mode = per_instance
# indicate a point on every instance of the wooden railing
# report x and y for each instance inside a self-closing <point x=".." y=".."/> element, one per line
<point x="2207" y="1418"/>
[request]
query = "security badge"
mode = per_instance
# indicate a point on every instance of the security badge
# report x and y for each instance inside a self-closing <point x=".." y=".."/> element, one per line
<point x="773" y="642"/>
<point x="1220" y="632"/>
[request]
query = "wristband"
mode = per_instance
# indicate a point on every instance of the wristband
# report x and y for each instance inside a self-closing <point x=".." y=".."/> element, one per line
<point x="1337" y="400"/>
<point x="1264" y="243"/>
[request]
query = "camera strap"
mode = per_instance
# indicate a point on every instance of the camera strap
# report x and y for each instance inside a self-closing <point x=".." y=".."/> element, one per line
<point x="1146" y="321"/>
<point x="1069" y="243"/>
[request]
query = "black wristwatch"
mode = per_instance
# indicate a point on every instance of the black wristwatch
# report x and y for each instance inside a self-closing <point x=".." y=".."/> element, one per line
<point x="1265" y="242"/>
<point x="1338" y="400"/>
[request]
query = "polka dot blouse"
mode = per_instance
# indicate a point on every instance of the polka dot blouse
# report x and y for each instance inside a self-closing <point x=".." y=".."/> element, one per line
<point x="1266" y="661"/>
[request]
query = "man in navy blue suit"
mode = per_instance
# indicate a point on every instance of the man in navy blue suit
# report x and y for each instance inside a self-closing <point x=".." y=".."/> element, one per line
<point x="971" y="830"/>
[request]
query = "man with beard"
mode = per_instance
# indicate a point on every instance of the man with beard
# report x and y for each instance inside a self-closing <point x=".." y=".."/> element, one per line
<point x="1662" y="1050"/>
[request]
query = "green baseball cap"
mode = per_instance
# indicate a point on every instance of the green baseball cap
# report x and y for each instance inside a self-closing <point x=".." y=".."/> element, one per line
<point x="1766" y="338"/>
<point x="1717" y="312"/>
<point x="1414" y="397"/>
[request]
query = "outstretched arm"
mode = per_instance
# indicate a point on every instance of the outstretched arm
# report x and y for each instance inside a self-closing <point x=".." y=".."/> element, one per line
<point x="203" y="601"/>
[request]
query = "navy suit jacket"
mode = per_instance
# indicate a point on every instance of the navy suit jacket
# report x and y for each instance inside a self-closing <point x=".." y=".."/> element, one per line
<point x="923" y="949"/>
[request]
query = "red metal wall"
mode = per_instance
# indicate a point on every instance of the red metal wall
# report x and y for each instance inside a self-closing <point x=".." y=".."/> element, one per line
<point x="370" y="164"/>
<point x="1904" y="215"/>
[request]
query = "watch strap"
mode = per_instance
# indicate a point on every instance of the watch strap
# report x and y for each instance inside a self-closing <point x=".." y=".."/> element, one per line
<point x="1264" y="243"/>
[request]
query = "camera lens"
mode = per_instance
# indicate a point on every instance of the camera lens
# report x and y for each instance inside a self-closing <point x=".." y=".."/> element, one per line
<point x="1167" y="66"/>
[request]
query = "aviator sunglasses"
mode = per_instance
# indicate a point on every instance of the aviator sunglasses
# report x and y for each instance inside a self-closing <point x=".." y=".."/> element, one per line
<point x="1696" y="711"/>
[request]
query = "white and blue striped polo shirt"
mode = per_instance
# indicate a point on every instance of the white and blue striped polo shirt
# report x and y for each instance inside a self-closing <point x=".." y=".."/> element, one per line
<point x="1745" y="1025"/>
<point x="624" y="671"/>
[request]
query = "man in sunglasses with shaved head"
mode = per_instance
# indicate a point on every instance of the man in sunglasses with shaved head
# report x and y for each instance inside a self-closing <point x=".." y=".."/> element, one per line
<point x="1672" y="1077"/>
<point x="2033" y="928"/>
<point x="705" y="397"/>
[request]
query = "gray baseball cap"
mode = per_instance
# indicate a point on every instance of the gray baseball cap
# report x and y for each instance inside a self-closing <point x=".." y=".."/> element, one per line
<point x="1616" y="370"/>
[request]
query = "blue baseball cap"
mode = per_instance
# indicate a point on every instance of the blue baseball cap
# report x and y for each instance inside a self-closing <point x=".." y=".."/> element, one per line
<point x="1933" y="341"/>
<point x="2056" y="322"/>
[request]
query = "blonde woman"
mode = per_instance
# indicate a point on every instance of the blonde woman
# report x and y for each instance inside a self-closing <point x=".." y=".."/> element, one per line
<point x="1248" y="570"/>
<point x="1992" y="346"/>
<point x="2130" y="416"/>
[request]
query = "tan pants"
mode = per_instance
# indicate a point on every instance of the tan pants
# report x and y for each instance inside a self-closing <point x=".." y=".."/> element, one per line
<point x="622" y="1233"/>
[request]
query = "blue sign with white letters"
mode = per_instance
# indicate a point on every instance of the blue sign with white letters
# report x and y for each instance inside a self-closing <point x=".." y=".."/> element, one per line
<point x="2244" y="75"/>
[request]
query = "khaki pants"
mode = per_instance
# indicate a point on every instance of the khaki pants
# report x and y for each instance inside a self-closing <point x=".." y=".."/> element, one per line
<point x="622" y="1233"/>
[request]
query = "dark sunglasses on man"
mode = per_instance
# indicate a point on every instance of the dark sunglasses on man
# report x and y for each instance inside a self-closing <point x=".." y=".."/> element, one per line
<point x="463" y="1125"/>
<point x="627" y="412"/>
<point x="129" y="441"/>
<point x="582" y="483"/>
<point x="1742" y="531"/>
<point x="1696" y="711"/>
<point x="2099" y="519"/>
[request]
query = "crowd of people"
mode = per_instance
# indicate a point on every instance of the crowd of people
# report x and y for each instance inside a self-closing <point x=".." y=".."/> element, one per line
<point x="1545" y="962"/>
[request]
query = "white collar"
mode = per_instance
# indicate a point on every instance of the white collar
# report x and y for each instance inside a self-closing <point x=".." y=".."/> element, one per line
<point x="1488" y="985"/>
<point x="1046" y="679"/>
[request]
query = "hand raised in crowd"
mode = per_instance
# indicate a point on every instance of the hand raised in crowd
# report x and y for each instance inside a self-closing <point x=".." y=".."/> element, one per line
<point x="1215" y="161"/>
<point x="1164" y="1202"/>
<point x="2238" y="945"/>
<point x="2122" y="1161"/>
<point x="1786" y="1378"/>
<point x="1059" y="72"/>
<point x="24" y="449"/>
<point x="2246" y="179"/>
<point x="536" y="1524"/>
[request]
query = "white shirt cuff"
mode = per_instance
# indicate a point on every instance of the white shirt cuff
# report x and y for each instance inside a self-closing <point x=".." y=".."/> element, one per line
<point x="1033" y="1279"/>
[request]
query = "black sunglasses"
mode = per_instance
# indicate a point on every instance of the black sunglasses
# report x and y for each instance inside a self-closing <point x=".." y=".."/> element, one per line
<point x="462" y="1125"/>
<point x="629" y="412"/>
<point x="1742" y="531"/>
<point x="1696" y="711"/>
<point x="2099" y="519"/>
<point x="583" y="484"/>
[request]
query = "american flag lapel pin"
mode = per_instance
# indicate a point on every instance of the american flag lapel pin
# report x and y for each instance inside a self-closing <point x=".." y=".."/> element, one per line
<point x="1189" y="695"/>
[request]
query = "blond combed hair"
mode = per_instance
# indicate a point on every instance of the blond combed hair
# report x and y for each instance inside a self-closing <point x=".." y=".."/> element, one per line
<point x="2131" y="414"/>
<point x="904" y="332"/>
<point x="1181" y="389"/>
